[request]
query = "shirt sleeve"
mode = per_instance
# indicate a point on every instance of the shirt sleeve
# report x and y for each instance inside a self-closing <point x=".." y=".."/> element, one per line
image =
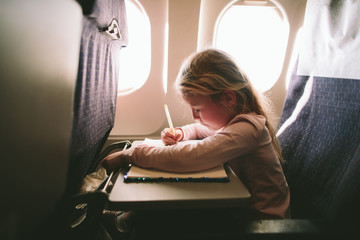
<point x="238" y="139"/>
<point x="196" y="131"/>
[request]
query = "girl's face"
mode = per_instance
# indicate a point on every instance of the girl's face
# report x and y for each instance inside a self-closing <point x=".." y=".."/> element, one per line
<point x="213" y="115"/>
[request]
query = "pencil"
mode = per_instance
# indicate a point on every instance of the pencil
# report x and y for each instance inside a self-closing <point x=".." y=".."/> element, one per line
<point x="169" y="119"/>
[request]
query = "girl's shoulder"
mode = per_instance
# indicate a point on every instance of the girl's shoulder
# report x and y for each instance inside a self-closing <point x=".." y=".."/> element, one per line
<point x="258" y="121"/>
<point x="249" y="128"/>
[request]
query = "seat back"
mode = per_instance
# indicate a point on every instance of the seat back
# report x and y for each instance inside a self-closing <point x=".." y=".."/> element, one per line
<point x="321" y="145"/>
<point x="96" y="87"/>
<point x="38" y="66"/>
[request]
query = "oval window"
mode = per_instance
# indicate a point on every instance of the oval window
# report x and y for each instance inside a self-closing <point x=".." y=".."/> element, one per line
<point x="135" y="58"/>
<point x="256" y="35"/>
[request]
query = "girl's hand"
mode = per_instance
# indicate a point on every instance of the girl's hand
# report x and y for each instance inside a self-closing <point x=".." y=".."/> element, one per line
<point x="171" y="138"/>
<point x="114" y="161"/>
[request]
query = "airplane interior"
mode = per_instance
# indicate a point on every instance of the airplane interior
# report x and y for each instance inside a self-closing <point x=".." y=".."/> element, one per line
<point x="80" y="79"/>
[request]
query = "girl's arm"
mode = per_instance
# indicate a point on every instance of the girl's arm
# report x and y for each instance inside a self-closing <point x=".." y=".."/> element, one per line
<point x="196" y="155"/>
<point x="196" y="131"/>
<point x="188" y="132"/>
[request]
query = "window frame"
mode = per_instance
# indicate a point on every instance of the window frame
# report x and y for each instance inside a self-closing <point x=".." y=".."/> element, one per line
<point x="282" y="16"/>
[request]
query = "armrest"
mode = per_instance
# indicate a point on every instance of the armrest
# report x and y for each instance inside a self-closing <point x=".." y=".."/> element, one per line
<point x="215" y="228"/>
<point x="79" y="216"/>
<point x="109" y="149"/>
<point x="286" y="229"/>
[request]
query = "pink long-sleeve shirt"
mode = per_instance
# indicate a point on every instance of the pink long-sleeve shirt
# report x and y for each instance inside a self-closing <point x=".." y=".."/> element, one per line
<point x="245" y="144"/>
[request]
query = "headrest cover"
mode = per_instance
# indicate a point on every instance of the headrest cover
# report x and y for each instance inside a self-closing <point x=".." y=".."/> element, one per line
<point x="331" y="39"/>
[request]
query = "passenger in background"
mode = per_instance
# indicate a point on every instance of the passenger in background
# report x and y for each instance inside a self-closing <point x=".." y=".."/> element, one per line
<point x="233" y="128"/>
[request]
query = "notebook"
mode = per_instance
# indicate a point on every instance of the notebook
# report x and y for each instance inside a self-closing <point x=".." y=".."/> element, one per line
<point x="138" y="174"/>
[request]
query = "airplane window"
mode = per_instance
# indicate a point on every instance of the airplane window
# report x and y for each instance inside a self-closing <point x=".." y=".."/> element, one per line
<point x="256" y="36"/>
<point x="135" y="59"/>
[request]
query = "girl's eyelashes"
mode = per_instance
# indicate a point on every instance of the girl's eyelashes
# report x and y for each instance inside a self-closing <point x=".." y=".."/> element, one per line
<point x="196" y="110"/>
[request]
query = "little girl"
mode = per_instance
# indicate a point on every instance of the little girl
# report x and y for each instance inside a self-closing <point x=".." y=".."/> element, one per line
<point x="233" y="128"/>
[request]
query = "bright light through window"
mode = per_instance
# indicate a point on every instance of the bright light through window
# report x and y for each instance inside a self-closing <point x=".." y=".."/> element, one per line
<point x="135" y="59"/>
<point x="256" y="36"/>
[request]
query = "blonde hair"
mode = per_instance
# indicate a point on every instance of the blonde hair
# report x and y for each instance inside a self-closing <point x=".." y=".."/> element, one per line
<point x="211" y="72"/>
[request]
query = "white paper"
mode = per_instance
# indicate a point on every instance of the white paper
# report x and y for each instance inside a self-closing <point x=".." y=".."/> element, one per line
<point x="153" y="142"/>
<point x="137" y="172"/>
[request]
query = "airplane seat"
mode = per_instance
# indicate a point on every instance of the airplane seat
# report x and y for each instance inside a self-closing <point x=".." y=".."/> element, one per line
<point x="104" y="34"/>
<point x="321" y="146"/>
<point x="59" y="64"/>
<point x="39" y="56"/>
<point x="319" y="126"/>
